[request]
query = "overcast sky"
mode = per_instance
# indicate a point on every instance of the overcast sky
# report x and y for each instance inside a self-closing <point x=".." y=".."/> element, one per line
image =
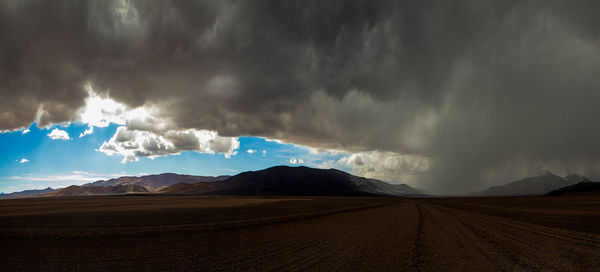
<point x="448" y="96"/>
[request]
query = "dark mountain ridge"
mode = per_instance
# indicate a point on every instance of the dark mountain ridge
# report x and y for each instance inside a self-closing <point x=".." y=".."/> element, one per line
<point x="539" y="184"/>
<point x="301" y="181"/>
<point x="585" y="187"/>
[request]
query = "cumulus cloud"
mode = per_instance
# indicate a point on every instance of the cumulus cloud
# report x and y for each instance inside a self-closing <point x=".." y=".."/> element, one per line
<point x="132" y="144"/>
<point x="88" y="131"/>
<point x="142" y="134"/>
<point x="388" y="166"/>
<point x="23" y="160"/>
<point x="480" y="88"/>
<point x="25" y="131"/>
<point x="58" y="134"/>
<point x="294" y="160"/>
<point x="251" y="151"/>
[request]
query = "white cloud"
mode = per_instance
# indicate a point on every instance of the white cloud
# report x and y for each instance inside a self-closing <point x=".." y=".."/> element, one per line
<point x="101" y="111"/>
<point x="293" y="160"/>
<point x="57" y="181"/>
<point x="57" y="134"/>
<point x="143" y="134"/>
<point x="88" y="131"/>
<point x="228" y="170"/>
<point x="132" y="144"/>
<point x="251" y="151"/>
<point x="264" y="152"/>
<point x="23" y="160"/>
<point x="387" y="166"/>
<point x="25" y="131"/>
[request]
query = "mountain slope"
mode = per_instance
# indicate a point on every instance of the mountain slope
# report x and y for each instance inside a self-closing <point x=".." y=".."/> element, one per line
<point x="302" y="181"/>
<point x="540" y="184"/>
<point x="574" y="179"/>
<point x="27" y="193"/>
<point x="157" y="182"/>
<point x="585" y="187"/>
<point x="75" y="190"/>
<point x="379" y="187"/>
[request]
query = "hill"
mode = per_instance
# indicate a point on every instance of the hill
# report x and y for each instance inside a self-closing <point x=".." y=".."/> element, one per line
<point x="157" y="182"/>
<point x="75" y="190"/>
<point x="539" y="184"/>
<point x="298" y="181"/>
<point x="586" y="187"/>
<point x="27" y="193"/>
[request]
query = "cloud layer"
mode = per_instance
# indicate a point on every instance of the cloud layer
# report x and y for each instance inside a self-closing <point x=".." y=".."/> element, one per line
<point x="482" y="89"/>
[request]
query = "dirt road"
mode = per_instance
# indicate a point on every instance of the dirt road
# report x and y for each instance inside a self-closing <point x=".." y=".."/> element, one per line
<point x="322" y="234"/>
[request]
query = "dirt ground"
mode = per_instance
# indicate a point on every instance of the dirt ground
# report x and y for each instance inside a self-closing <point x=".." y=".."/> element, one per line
<point x="193" y="233"/>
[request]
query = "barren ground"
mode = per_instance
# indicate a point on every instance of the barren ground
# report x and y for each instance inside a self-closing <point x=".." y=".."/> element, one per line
<point x="196" y="233"/>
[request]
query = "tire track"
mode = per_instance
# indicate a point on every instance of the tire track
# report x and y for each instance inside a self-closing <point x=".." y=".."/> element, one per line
<point x="343" y="247"/>
<point x="152" y="231"/>
<point x="330" y="237"/>
<point x="590" y="240"/>
<point x="306" y="251"/>
<point x="539" y="250"/>
<point x="407" y="235"/>
<point x="453" y="245"/>
<point x="416" y="255"/>
<point x="366" y="240"/>
<point x="388" y="250"/>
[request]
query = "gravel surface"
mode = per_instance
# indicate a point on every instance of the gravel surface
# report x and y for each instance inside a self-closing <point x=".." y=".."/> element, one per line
<point x="177" y="233"/>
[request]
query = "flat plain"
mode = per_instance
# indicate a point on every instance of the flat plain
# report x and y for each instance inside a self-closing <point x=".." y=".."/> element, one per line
<point x="202" y="233"/>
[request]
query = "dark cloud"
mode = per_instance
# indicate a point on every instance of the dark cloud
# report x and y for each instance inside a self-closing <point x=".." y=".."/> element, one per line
<point x="481" y="88"/>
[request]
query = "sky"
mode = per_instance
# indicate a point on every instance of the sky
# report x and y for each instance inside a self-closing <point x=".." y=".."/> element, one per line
<point x="36" y="158"/>
<point x="447" y="96"/>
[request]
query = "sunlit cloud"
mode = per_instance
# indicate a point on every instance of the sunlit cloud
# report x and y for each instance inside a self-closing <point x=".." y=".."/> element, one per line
<point x="294" y="160"/>
<point x="58" y="134"/>
<point x="143" y="134"/>
<point x="132" y="144"/>
<point x="88" y="131"/>
<point x="101" y="111"/>
<point x="387" y="166"/>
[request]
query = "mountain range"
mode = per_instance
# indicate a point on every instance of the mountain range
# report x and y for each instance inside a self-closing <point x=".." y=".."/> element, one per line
<point x="304" y="181"/>
<point x="157" y="182"/>
<point x="27" y="193"/>
<point x="278" y="180"/>
<point x="75" y="190"/>
<point x="538" y="184"/>
<point x="301" y="181"/>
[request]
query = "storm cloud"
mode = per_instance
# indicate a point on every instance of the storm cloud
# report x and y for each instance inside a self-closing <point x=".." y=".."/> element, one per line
<point x="482" y="91"/>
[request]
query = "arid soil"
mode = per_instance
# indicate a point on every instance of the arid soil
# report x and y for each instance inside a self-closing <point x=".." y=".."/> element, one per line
<point x="192" y="233"/>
